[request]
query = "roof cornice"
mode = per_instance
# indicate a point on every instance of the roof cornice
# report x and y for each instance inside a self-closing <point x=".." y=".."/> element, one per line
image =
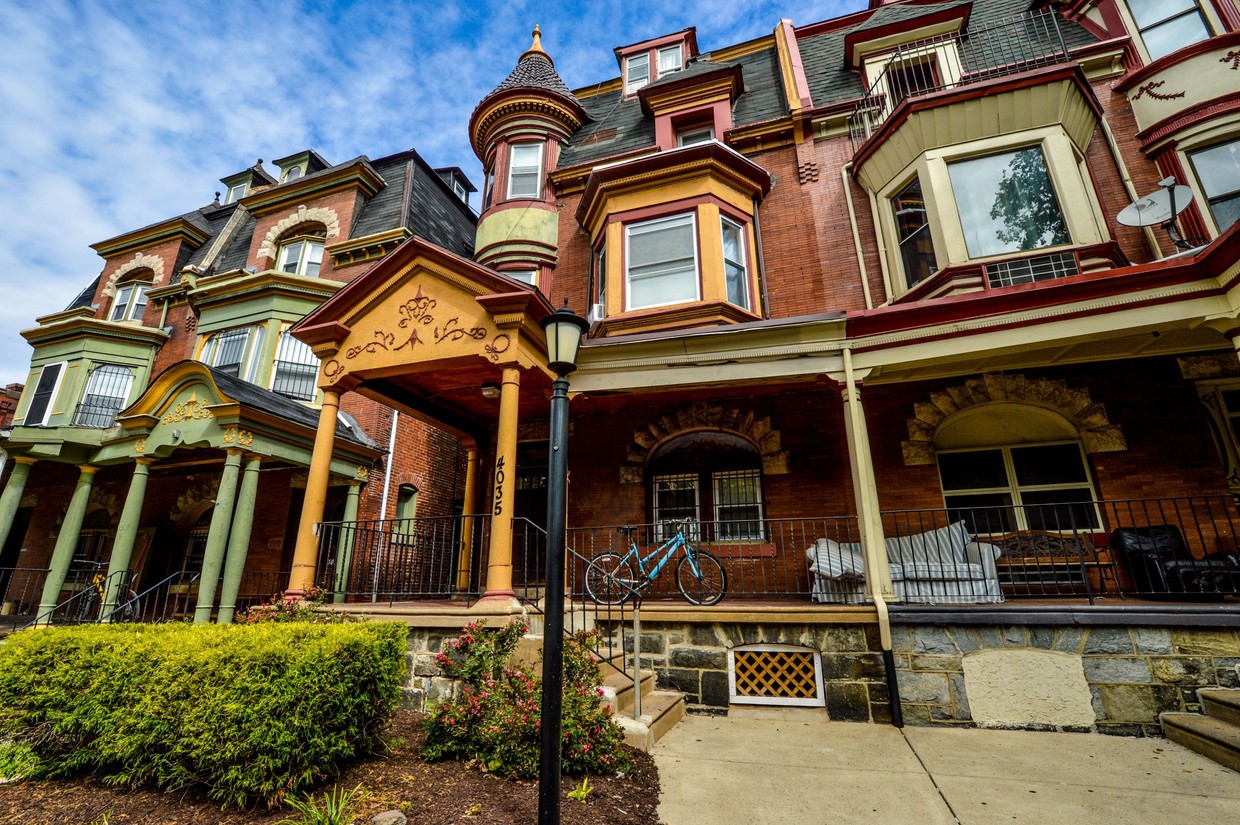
<point x="359" y="175"/>
<point x="176" y="229"/>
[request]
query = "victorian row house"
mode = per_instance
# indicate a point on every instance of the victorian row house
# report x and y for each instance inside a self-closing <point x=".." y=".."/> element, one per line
<point x="922" y="317"/>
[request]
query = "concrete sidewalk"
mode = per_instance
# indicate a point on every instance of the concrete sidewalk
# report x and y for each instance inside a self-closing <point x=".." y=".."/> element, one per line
<point x="759" y="766"/>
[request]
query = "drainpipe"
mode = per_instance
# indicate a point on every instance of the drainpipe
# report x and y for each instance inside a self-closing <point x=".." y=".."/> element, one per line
<point x="868" y="518"/>
<point x="852" y="221"/>
<point x="882" y="248"/>
<point x="1129" y="187"/>
<point x="387" y="471"/>
<point x="757" y="237"/>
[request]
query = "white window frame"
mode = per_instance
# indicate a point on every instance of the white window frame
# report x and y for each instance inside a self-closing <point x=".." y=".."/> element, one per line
<point x="1201" y="179"/>
<point x="651" y="225"/>
<point x="96" y="377"/>
<point x="525" y="276"/>
<point x="743" y="263"/>
<point x="660" y="533"/>
<point x="510" y="190"/>
<point x="129" y="296"/>
<point x="246" y="367"/>
<point x="286" y="343"/>
<point x="1014" y="488"/>
<point x="693" y="137"/>
<point x="813" y="702"/>
<point x="236" y="192"/>
<point x="632" y="85"/>
<point x="307" y="246"/>
<point x="292" y="173"/>
<point x="679" y="62"/>
<point x="62" y="366"/>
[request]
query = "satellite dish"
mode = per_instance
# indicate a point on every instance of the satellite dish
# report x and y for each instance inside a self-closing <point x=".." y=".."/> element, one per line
<point x="1158" y="207"/>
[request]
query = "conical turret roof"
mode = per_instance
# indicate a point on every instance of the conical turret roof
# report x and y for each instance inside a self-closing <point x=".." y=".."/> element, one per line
<point x="535" y="70"/>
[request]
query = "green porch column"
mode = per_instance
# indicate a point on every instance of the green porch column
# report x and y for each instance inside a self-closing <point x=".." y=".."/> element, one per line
<point x="217" y="537"/>
<point x="66" y="542"/>
<point x="126" y="532"/>
<point x="239" y="540"/>
<point x="344" y="544"/>
<point x="11" y="498"/>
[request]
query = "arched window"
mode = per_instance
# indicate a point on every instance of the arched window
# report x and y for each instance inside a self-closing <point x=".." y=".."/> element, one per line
<point x="301" y="252"/>
<point x="106" y="391"/>
<point x="714" y="478"/>
<point x="1007" y="467"/>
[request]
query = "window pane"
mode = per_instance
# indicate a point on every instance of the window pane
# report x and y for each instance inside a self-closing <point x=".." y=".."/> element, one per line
<point x="738" y="505"/>
<point x="675" y="497"/>
<point x="1148" y="12"/>
<point x="290" y="257"/>
<point x="296" y="369"/>
<point x="42" y="397"/>
<point x="974" y="470"/>
<point x="1218" y="170"/>
<point x="913" y="231"/>
<point x="983" y="513"/>
<point x="662" y="267"/>
<point x="524" y="170"/>
<point x="314" y="258"/>
<point x="1053" y="464"/>
<point x="734" y="264"/>
<point x="229" y="350"/>
<point x="1060" y="510"/>
<point x="693" y="137"/>
<point x="104" y="396"/>
<point x="638" y="72"/>
<point x="669" y="60"/>
<point x="1006" y="203"/>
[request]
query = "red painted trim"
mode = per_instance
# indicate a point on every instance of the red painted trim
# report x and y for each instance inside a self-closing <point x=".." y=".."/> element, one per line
<point x="851" y="40"/>
<point x="1228" y="12"/>
<point x="1197" y="113"/>
<point x="1010" y="83"/>
<point x="688" y="35"/>
<point x="1211" y="262"/>
<point x="1136" y="78"/>
<point x="789" y="36"/>
<point x="1192" y="223"/>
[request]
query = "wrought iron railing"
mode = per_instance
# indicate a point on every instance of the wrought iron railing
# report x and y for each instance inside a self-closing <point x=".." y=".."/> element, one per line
<point x="20" y="589"/>
<point x="958" y="59"/>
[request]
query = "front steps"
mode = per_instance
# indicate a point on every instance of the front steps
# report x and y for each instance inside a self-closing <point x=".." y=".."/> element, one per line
<point x="661" y="709"/>
<point x="1216" y="734"/>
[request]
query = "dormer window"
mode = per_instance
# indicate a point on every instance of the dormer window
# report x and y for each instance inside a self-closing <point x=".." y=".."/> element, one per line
<point x="301" y="256"/>
<point x="292" y="173"/>
<point x="670" y="60"/>
<point x="636" y="72"/>
<point x="236" y="192"/>
<point x="1168" y="25"/>
<point x="525" y="170"/>
<point x="130" y="303"/>
<point x="692" y="137"/>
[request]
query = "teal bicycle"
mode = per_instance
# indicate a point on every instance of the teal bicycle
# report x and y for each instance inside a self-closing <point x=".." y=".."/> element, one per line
<point x="700" y="576"/>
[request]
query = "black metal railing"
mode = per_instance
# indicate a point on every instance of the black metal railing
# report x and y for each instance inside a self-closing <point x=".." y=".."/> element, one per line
<point x="396" y="560"/>
<point x="106" y="390"/>
<point x="20" y="589"/>
<point x="88" y="589"/>
<point x="97" y="411"/>
<point x="958" y="59"/>
<point x="259" y="586"/>
<point x="172" y="598"/>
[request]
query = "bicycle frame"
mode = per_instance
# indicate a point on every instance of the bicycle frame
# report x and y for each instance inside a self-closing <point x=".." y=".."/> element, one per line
<point x="668" y="549"/>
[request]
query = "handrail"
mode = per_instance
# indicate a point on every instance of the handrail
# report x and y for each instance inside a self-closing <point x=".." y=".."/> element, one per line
<point x="83" y="596"/>
<point x="139" y="597"/>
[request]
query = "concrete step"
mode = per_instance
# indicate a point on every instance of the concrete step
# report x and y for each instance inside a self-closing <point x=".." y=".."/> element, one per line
<point x="1221" y="703"/>
<point x="618" y="691"/>
<point x="661" y="710"/>
<point x="1208" y="736"/>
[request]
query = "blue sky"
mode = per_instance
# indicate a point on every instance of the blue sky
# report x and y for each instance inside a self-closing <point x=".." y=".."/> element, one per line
<point x="120" y="114"/>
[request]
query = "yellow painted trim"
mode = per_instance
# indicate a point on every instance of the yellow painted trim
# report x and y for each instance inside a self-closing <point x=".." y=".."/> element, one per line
<point x="68" y="389"/>
<point x="177" y="228"/>
<point x="758" y="44"/>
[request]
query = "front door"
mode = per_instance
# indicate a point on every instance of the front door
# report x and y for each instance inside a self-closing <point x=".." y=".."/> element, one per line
<point x="529" y="546"/>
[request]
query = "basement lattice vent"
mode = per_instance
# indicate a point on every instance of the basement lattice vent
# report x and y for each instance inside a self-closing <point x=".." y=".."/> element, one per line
<point x="775" y="675"/>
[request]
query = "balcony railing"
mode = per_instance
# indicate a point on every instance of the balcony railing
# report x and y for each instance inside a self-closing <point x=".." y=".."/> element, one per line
<point x="958" y="59"/>
<point x="1162" y="549"/>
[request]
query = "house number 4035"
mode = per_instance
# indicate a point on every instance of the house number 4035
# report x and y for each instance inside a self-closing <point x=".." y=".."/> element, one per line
<point x="499" y="486"/>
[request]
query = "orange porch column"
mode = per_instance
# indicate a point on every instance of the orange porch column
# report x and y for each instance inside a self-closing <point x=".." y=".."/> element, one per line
<point x="503" y="491"/>
<point x="464" y="559"/>
<point x="306" y="553"/>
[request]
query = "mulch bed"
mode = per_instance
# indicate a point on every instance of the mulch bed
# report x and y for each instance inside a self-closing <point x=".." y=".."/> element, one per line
<point x="443" y="793"/>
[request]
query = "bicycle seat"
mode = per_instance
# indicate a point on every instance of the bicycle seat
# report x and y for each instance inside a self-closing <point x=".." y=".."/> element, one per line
<point x="626" y="531"/>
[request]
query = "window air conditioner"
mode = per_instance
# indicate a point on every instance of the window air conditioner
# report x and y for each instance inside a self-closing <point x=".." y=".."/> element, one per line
<point x="596" y="313"/>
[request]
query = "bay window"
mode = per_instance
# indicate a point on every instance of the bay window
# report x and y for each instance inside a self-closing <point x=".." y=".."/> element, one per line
<point x="525" y="170"/>
<point x="1218" y="171"/>
<point x="107" y="389"/>
<point x="296" y="369"/>
<point x="662" y="262"/>
<point x="1006" y="203"/>
<point x="227" y="351"/>
<point x="913" y="233"/>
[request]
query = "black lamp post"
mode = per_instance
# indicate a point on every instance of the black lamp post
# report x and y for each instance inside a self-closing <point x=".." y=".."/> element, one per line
<point x="564" y="333"/>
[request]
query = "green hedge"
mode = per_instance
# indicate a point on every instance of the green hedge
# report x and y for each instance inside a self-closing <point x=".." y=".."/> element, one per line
<point x="249" y="713"/>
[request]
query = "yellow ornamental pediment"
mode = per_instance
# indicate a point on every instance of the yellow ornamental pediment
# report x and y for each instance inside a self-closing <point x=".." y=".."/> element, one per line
<point x="435" y="323"/>
<point x="191" y="409"/>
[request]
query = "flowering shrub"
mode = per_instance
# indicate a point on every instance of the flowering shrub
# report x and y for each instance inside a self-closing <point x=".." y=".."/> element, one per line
<point x="305" y="609"/>
<point x="496" y="719"/>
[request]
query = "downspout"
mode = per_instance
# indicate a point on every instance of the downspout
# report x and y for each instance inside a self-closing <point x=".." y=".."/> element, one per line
<point x="757" y="240"/>
<point x="872" y="561"/>
<point x="1129" y="187"/>
<point x="852" y="221"/>
<point x="882" y="247"/>
<point x="387" y="470"/>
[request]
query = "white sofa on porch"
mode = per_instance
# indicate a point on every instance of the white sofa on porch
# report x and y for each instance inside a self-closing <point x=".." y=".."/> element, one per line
<point x="943" y="566"/>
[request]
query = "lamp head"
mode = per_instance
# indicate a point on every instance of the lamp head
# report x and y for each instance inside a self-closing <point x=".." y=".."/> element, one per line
<point x="564" y="330"/>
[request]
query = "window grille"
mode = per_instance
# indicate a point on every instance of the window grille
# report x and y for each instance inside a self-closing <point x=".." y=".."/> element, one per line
<point x="226" y="350"/>
<point x="776" y="675"/>
<point x="675" y="498"/>
<point x="296" y="369"/>
<point x="1028" y="270"/>
<point x="107" y="389"/>
<point x="738" y="505"/>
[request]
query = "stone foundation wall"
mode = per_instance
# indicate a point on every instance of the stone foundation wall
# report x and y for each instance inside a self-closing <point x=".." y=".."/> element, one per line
<point x="426" y="684"/>
<point x="1031" y="677"/>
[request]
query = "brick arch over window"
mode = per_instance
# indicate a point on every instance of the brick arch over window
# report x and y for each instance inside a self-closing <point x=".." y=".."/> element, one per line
<point x="140" y="261"/>
<point x="699" y="417"/>
<point x="1089" y="417"/>
<point x="319" y="214"/>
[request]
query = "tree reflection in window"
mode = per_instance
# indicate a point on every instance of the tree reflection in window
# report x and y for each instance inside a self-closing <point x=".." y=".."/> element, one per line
<point x="1006" y="203"/>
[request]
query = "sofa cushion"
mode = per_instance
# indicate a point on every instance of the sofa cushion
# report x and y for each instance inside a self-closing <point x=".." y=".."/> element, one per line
<point x="928" y="570"/>
<point x="835" y="560"/>
<point x="944" y="545"/>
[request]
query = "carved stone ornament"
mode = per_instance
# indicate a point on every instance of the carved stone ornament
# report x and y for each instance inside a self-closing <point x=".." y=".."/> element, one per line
<point x="187" y="410"/>
<point x="705" y="416"/>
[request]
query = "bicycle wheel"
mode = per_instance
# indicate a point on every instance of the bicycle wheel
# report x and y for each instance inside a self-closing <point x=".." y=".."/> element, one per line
<point x="705" y="587"/>
<point x="609" y="579"/>
<point x="130" y="610"/>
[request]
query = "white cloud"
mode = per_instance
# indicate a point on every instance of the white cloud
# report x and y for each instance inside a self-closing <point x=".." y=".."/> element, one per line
<point x="119" y="114"/>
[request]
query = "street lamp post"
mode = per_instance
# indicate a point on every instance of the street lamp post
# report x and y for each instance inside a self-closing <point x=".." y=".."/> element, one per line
<point x="564" y="333"/>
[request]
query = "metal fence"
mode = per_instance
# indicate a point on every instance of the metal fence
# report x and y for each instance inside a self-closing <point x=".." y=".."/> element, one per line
<point x="20" y="589"/>
<point x="958" y="59"/>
